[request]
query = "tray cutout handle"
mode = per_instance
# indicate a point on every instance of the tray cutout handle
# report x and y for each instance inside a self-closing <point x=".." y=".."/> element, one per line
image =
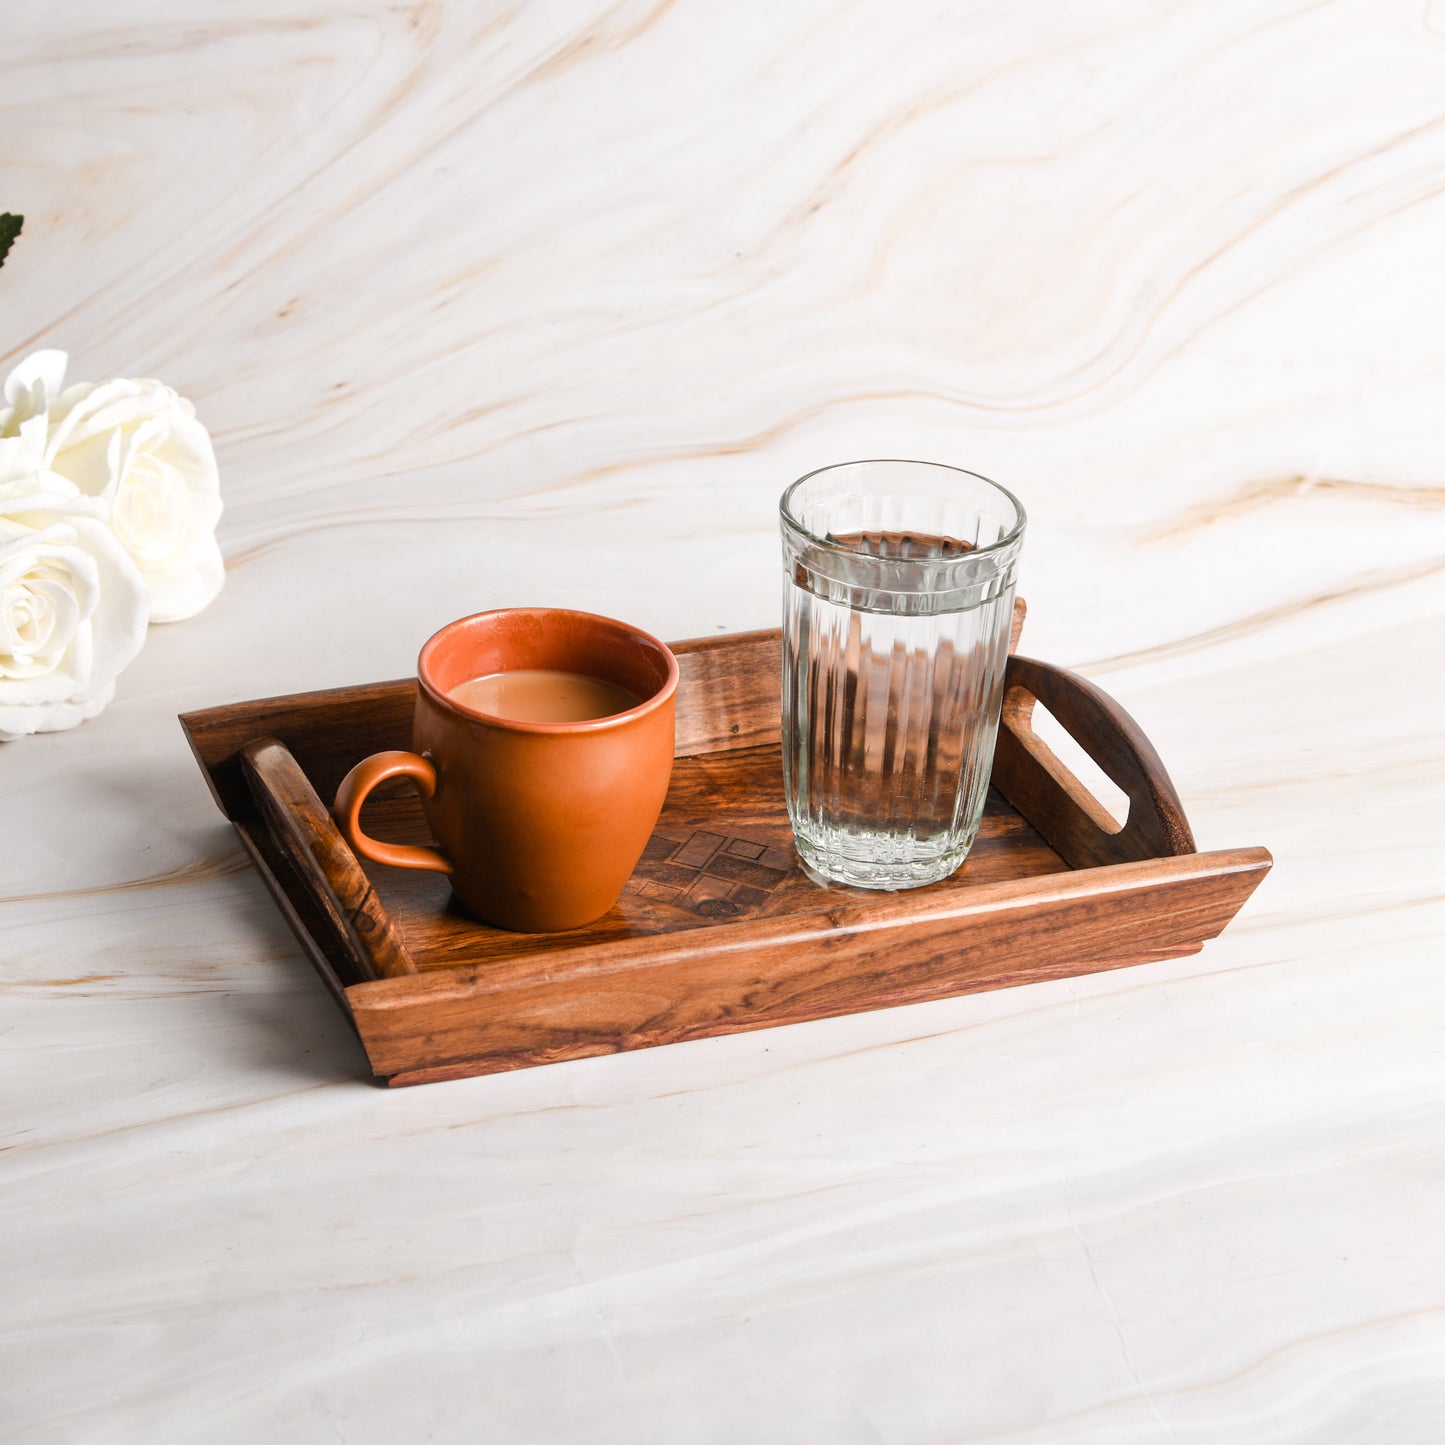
<point x="1033" y="778"/>
<point x="299" y="821"/>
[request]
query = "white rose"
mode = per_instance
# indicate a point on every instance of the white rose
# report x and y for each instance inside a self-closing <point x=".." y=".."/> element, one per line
<point x="137" y="446"/>
<point x="72" y="603"/>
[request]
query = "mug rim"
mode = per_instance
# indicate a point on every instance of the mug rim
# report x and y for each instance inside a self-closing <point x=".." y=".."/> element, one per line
<point x="583" y="725"/>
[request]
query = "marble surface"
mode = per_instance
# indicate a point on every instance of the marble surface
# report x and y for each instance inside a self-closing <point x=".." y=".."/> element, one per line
<point x="495" y="303"/>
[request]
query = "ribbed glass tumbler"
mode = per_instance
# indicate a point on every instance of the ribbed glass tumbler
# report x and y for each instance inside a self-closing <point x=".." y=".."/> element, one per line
<point x="898" y="587"/>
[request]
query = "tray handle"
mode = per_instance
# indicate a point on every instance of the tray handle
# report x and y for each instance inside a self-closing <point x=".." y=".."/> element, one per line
<point x="301" y="824"/>
<point x="1074" y="823"/>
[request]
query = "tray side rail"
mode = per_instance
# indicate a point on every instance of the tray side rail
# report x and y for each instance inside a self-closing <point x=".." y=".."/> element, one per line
<point x="728" y="697"/>
<point x="578" y="1002"/>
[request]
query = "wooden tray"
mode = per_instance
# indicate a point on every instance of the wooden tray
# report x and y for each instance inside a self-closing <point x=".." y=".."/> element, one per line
<point x="718" y="930"/>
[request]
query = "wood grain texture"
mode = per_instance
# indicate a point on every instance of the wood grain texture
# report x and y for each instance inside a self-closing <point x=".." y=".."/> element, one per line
<point x="722" y="850"/>
<point x="1043" y="789"/>
<point x="335" y="964"/>
<point x="719" y="930"/>
<point x="305" y="723"/>
<point x="578" y="1002"/>
<point x="326" y="865"/>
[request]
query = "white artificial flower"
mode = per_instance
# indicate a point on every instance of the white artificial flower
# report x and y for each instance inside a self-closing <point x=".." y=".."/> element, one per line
<point x="137" y="447"/>
<point x="73" y="605"/>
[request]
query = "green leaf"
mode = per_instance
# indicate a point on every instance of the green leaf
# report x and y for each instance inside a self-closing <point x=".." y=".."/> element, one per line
<point x="9" y="229"/>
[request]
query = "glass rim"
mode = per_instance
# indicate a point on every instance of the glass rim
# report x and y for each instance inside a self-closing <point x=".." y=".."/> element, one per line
<point x="791" y="520"/>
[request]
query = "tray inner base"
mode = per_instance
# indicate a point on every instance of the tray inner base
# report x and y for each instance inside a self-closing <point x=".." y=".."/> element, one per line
<point x="722" y="852"/>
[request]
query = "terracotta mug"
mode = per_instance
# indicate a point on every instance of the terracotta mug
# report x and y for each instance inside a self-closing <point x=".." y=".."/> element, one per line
<point x="539" y="824"/>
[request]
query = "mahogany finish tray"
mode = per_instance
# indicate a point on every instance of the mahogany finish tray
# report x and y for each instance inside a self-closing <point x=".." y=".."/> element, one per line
<point x="719" y="930"/>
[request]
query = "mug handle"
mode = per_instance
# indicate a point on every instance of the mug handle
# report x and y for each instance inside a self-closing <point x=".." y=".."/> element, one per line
<point x="353" y="792"/>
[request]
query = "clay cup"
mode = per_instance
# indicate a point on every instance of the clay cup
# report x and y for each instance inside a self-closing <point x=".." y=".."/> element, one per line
<point x="539" y="825"/>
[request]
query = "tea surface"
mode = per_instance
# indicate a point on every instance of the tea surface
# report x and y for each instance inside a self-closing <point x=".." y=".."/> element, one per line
<point x="543" y="695"/>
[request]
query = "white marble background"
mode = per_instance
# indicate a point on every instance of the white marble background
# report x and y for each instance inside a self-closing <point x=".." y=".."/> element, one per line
<point x="490" y="303"/>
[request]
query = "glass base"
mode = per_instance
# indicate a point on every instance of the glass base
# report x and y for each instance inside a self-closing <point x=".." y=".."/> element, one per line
<point x="863" y="862"/>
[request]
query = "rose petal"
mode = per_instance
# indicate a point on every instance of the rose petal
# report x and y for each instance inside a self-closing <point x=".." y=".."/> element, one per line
<point x="19" y="461"/>
<point x="58" y="555"/>
<point x="137" y="446"/>
<point x="186" y="590"/>
<point x="21" y="722"/>
<point x="42" y="369"/>
<point x="27" y="487"/>
<point x="111" y="404"/>
<point x="105" y="629"/>
<point x="119" y="627"/>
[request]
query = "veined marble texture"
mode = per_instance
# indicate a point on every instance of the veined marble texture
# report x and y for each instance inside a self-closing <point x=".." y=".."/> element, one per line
<point x="490" y="304"/>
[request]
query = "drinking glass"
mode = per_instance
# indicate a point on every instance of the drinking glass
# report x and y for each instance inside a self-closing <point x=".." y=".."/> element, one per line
<point x="898" y="587"/>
